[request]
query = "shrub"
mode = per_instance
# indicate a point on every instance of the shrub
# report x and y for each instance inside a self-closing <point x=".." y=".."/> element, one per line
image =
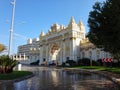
<point x="100" y="63"/>
<point x="71" y="62"/>
<point x="63" y="64"/>
<point x="52" y="63"/>
<point x="116" y="64"/>
<point x="35" y="63"/>
<point x="95" y="63"/>
<point x="84" y="61"/>
<point x="7" y="64"/>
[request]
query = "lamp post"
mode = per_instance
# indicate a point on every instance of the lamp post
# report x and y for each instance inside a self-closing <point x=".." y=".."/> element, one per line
<point x="11" y="29"/>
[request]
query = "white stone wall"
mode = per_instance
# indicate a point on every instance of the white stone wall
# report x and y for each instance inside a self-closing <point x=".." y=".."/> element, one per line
<point x="94" y="55"/>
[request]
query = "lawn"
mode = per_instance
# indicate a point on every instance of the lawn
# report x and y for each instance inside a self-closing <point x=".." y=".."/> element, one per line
<point x="14" y="75"/>
<point x="102" y="68"/>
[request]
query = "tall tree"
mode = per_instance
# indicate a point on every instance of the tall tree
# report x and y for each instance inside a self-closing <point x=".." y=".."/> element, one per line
<point x="104" y="23"/>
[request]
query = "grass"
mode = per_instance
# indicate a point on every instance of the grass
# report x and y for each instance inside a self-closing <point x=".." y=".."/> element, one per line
<point x="14" y="75"/>
<point x="101" y="68"/>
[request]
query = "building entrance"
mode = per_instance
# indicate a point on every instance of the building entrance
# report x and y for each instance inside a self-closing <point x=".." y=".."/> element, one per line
<point x="55" y="53"/>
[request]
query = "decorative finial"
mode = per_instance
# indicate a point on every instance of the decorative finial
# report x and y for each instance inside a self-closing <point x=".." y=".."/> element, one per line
<point x="72" y="20"/>
<point x="72" y="23"/>
<point x="81" y="26"/>
<point x="42" y="34"/>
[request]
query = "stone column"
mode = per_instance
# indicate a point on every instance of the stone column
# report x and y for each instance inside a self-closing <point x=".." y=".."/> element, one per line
<point x="47" y="53"/>
<point x="41" y="54"/>
<point x="63" y="51"/>
<point x="71" y="48"/>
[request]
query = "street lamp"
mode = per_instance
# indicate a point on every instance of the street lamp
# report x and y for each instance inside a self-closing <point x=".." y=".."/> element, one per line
<point x="11" y="29"/>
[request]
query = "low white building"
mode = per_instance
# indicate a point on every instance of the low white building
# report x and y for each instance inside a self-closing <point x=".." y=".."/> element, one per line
<point x="29" y="51"/>
<point x="34" y="50"/>
<point x="88" y="50"/>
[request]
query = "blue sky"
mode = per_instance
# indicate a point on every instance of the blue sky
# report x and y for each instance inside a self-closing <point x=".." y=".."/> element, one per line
<point x="34" y="16"/>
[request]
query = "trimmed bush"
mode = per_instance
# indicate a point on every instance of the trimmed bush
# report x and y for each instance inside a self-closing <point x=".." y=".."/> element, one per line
<point x="63" y="64"/>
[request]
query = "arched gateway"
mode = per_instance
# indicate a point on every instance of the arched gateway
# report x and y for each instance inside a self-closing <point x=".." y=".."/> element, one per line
<point x="61" y="43"/>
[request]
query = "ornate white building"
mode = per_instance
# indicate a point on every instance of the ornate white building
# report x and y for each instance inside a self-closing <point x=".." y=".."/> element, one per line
<point x="62" y="43"/>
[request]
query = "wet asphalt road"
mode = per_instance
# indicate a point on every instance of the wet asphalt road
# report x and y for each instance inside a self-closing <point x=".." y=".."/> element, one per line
<point x="50" y="78"/>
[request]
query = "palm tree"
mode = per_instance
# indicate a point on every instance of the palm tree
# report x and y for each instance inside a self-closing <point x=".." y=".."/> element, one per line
<point x="6" y="63"/>
<point x="2" y="48"/>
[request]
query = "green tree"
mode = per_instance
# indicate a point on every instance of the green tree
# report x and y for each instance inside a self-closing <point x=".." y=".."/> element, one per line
<point x="104" y="23"/>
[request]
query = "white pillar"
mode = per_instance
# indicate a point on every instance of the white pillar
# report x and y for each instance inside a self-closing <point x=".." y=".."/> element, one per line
<point x="71" y="49"/>
<point x="41" y="54"/>
<point x="64" y="48"/>
<point x="61" y="52"/>
<point x="47" y="53"/>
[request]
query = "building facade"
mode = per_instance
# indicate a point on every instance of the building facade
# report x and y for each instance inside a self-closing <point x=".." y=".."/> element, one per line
<point x="62" y="43"/>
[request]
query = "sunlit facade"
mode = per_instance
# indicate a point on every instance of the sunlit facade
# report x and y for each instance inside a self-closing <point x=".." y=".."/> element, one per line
<point x="62" y="43"/>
